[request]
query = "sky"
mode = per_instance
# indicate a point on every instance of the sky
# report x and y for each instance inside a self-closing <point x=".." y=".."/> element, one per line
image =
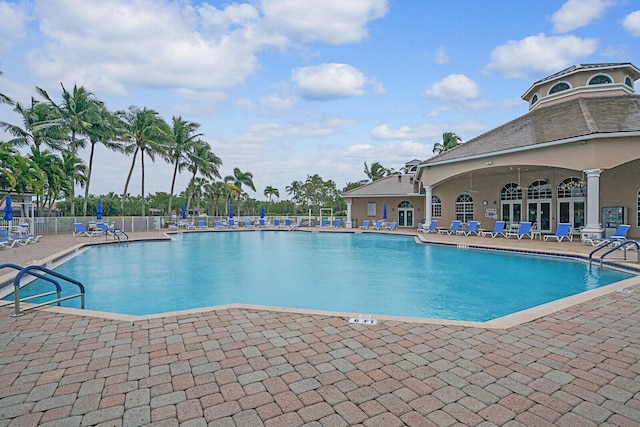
<point x="290" y="88"/>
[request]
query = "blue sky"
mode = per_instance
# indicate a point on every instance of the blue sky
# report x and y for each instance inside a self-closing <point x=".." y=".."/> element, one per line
<point x="287" y="88"/>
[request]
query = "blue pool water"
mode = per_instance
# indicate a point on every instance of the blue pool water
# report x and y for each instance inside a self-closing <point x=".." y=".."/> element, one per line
<point x="356" y="273"/>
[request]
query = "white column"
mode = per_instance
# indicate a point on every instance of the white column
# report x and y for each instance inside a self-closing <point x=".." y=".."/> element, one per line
<point x="428" y="193"/>
<point x="593" y="202"/>
<point x="348" y="224"/>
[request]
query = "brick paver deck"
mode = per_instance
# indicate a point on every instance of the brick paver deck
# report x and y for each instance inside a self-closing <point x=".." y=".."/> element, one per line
<point x="579" y="366"/>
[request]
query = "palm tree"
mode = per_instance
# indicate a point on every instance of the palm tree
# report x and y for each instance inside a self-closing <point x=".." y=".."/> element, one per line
<point x="103" y="130"/>
<point x="269" y="192"/>
<point x="8" y="155"/>
<point x="4" y="99"/>
<point x="201" y="159"/>
<point x="295" y="191"/>
<point x="78" y="111"/>
<point x="449" y="140"/>
<point x="181" y="137"/>
<point x="40" y="126"/>
<point x="142" y="131"/>
<point x="376" y="171"/>
<point x="239" y="179"/>
<point x="76" y="172"/>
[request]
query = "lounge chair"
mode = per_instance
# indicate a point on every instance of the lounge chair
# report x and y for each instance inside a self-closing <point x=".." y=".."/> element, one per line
<point x="391" y="226"/>
<point x="432" y="228"/>
<point x="261" y="223"/>
<point x="473" y="228"/>
<point x="325" y="223"/>
<point x="202" y="224"/>
<point x="379" y="224"/>
<point x="248" y="224"/>
<point x="619" y="235"/>
<point x="218" y="224"/>
<point x="23" y="239"/>
<point x="563" y="231"/>
<point x="81" y="230"/>
<point x="522" y="231"/>
<point x="498" y="229"/>
<point x="8" y="241"/>
<point x="337" y="224"/>
<point x="276" y="222"/>
<point x="455" y="226"/>
<point x="287" y="223"/>
<point x="232" y="223"/>
<point x="365" y="224"/>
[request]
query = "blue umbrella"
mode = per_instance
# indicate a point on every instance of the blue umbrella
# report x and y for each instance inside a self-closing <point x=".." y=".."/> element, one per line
<point x="99" y="210"/>
<point x="184" y="212"/>
<point x="384" y="211"/>
<point x="262" y="213"/>
<point x="8" y="209"/>
<point x="230" y="211"/>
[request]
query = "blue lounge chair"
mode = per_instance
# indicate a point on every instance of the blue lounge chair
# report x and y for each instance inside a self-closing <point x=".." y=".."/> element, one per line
<point x="432" y="228"/>
<point x="337" y="224"/>
<point x="248" y="224"/>
<point x="81" y="230"/>
<point x="232" y="223"/>
<point x="325" y="223"/>
<point x="378" y="225"/>
<point x="498" y="229"/>
<point x="365" y="224"/>
<point x="276" y="222"/>
<point x="261" y="223"/>
<point x="287" y="222"/>
<point x="522" y="231"/>
<point x="8" y="241"/>
<point x="563" y="231"/>
<point x="218" y="224"/>
<point x="391" y="226"/>
<point x="619" y="235"/>
<point x="473" y="228"/>
<point x="455" y="226"/>
<point x="201" y="224"/>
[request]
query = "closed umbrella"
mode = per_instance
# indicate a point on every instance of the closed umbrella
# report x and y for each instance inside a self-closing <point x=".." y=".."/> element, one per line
<point x="99" y="210"/>
<point x="184" y="211"/>
<point x="230" y="211"/>
<point x="8" y="209"/>
<point x="262" y="213"/>
<point x="384" y="211"/>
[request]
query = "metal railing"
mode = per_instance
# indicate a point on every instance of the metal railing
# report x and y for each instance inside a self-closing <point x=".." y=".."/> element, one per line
<point x="615" y="245"/>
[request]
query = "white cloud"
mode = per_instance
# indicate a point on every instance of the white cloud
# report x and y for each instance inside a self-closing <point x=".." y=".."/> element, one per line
<point x="329" y="81"/>
<point x="13" y="26"/>
<point x="453" y="88"/>
<point x="427" y="130"/>
<point x="272" y="105"/>
<point x="539" y="53"/>
<point x="578" y="13"/>
<point x="331" y="21"/>
<point x="631" y="23"/>
<point x="377" y="90"/>
<point x="441" y="56"/>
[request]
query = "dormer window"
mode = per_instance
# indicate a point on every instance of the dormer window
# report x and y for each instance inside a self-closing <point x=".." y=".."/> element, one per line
<point x="559" y="87"/>
<point x="628" y="82"/>
<point x="534" y="99"/>
<point x="600" y="79"/>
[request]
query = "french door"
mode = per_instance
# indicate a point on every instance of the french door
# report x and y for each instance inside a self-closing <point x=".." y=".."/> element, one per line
<point x="539" y="211"/>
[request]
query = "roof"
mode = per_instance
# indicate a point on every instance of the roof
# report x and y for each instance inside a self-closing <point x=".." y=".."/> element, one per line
<point x="573" y="118"/>
<point x="395" y="185"/>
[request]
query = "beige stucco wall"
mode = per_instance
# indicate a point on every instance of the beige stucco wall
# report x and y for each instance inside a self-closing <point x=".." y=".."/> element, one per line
<point x="359" y="208"/>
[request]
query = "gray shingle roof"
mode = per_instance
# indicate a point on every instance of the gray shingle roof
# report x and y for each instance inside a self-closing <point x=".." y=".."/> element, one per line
<point x="388" y="186"/>
<point x="573" y="118"/>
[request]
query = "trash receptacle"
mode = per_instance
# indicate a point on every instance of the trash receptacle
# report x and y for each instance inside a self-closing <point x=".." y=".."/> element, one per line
<point x="354" y="222"/>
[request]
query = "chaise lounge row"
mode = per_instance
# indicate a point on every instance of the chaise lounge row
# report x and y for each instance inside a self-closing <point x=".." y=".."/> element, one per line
<point x="524" y="229"/>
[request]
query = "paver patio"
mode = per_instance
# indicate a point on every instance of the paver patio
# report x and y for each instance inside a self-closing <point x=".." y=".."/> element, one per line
<point x="579" y="366"/>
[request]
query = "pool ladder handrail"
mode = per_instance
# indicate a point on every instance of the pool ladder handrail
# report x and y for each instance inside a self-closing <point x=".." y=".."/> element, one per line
<point x="30" y="271"/>
<point x="115" y="232"/>
<point x="617" y="244"/>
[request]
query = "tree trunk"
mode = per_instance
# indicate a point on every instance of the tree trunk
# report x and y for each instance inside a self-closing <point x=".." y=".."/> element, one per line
<point x="126" y="184"/>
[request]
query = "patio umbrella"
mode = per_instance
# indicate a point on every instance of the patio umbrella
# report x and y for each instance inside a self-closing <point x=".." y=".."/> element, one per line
<point x="184" y="212"/>
<point x="262" y="213"/>
<point x="384" y="211"/>
<point x="99" y="210"/>
<point x="8" y="209"/>
<point x="230" y="211"/>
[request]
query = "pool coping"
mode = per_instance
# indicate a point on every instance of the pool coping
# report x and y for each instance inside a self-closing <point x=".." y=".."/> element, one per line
<point x="503" y="322"/>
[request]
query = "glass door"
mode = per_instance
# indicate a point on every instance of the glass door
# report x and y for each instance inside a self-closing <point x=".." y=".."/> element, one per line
<point x="401" y="218"/>
<point x="540" y="212"/>
<point x="572" y="211"/>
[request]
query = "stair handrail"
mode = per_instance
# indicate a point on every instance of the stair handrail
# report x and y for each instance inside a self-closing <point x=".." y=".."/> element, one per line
<point x="617" y="244"/>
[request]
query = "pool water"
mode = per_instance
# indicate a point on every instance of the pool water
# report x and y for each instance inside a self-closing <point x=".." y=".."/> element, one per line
<point x="356" y="273"/>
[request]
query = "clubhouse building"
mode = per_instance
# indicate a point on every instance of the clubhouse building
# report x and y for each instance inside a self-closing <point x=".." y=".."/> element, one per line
<point x="573" y="158"/>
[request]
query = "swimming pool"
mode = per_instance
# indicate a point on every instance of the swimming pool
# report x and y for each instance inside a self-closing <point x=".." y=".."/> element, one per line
<point x="356" y="273"/>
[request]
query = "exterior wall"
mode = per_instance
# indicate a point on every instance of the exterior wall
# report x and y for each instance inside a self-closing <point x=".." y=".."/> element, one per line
<point x="359" y="208"/>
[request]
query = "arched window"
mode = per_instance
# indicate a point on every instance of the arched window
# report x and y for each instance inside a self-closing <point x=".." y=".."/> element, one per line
<point x="405" y="204"/>
<point x="559" y="87"/>
<point x="628" y="82"/>
<point x="600" y="79"/>
<point x="436" y="207"/>
<point x="571" y="187"/>
<point x="534" y="99"/>
<point x="464" y="208"/>
<point x="511" y="191"/>
<point x="540" y="189"/>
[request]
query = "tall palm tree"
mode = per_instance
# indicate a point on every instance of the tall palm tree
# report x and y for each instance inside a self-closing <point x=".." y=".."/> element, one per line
<point x="78" y="111"/>
<point x="239" y="179"/>
<point x="143" y="130"/>
<point x="103" y="130"/>
<point x="201" y="160"/>
<point x="8" y="155"/>
<point x="40" y="126"/>
<point x="449" y="140"/>
<point x="270" y="192"/>
<point x="295" y="191"/>
<point x="76" y="172"/>
<point x="181" y="137"/>
<point x="376" y="171"/>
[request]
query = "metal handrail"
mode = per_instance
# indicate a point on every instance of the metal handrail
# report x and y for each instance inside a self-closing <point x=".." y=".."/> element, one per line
<point x="30" y="270"/>
<point x="617" y="244"/>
